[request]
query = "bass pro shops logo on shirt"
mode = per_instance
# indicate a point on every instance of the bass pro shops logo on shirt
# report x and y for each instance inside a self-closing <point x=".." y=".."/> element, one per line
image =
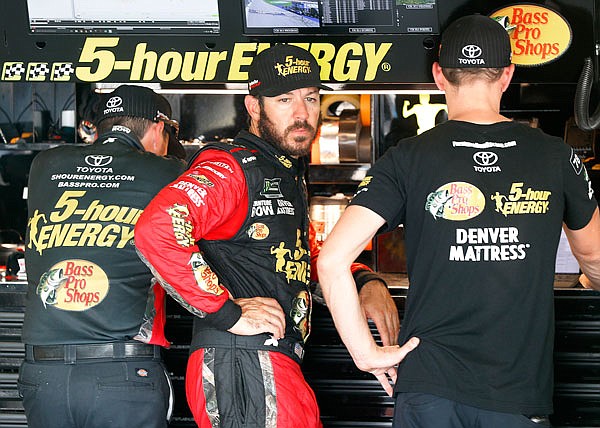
<point x="73" y="285"/>
<point x="455" y="201"/>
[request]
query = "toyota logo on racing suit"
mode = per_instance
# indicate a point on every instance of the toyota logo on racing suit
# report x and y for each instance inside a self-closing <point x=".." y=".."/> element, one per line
<point x="471" y="51"/>
<point x="98" y="160"/>
<point x="114" y="102"/>
<point x="485" y="158"/>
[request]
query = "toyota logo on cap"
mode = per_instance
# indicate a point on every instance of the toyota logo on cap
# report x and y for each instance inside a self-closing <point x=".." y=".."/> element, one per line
<point x="471" y="51"/>
<point x="114" y="102"/>
<point x="485" y="158"/>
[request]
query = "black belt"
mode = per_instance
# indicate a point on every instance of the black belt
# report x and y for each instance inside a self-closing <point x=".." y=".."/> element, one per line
<point x="92" y="351"/>
<point x="211" y="338"/>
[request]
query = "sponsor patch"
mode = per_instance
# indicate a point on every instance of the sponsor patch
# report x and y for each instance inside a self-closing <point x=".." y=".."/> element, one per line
<point x="285" y="161"/>
<point x="73" y="285"/>
<point x="488" y="244"/>
<point x="202" y="179"/>
<point x="575" y="162"/>
<point x="486" y="162"/>
<point x="206" y="279"/>
<point x="258" y="231"/>
<point x="455" y="201"/>
<point x="182" y="227"/>
<point x="522" y="201"/>
<point x="271" y="188"/>
<point x="294" y="262"/>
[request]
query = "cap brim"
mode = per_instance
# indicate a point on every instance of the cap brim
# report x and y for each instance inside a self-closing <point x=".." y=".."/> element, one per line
<point x="175" y="148"/>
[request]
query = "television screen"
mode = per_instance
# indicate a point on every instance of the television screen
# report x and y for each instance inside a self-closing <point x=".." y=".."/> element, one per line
<point x="272" y="17"/>
<point x="124" y="17"/>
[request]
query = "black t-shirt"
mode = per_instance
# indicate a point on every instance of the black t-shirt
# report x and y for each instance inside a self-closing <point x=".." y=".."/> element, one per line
<point x="482" y="207"/>
<point x="86" y="281"/>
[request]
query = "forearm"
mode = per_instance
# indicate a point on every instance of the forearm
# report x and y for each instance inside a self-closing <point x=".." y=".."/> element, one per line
<point x="339" y="291"/>
<point x="585" y="244"/>
<point x="591" y="270"/>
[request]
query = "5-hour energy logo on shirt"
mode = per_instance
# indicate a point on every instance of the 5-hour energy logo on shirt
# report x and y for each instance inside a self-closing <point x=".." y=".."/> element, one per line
<point x="521" y="201"/>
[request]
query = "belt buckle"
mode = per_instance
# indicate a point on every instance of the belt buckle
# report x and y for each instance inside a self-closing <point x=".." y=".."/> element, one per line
<point x="539" y="419"/>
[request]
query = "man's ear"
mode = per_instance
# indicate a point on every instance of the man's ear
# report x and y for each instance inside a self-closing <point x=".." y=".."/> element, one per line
<point x="507" y="76"/>
<point x="253" y="107"/>
<point x="438" y="76"/>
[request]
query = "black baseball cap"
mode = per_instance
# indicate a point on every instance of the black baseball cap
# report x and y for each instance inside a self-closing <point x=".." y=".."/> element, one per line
<point x="475" y="41"/>
<point x="139" y="101"/>
<point x="283" y="68"/>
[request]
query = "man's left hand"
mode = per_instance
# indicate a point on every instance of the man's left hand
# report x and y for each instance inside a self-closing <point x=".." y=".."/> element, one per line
<point x="378" y="305"/>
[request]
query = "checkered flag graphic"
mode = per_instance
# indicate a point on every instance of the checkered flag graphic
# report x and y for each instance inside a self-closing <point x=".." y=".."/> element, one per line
<point x="13" y="71"/>
<point x="61" y="71"/>
<point x="37" y="71"/>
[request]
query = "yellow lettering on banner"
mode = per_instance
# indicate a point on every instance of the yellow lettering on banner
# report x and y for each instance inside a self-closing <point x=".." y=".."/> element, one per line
<point x="375" y="58"/>
<point x="324" y="53"/>
<point x="238" y="60"/>
<point x="169" y="66"/>
<point x="213" y="64"/>
<point x="337" y="63"/>
<point x="143" y="60"/>
<point x="104" y="59"/>
<point x="344" y="68"/>
<point x="189" y="71"/>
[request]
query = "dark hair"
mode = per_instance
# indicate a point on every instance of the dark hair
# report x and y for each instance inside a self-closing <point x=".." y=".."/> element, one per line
<point x="137" y="125"/>
<point x="457" y="76"/>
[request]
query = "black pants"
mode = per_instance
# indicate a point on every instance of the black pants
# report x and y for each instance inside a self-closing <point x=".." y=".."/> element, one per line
<point x="129" y="394"/>
<point x="416" y="410"/>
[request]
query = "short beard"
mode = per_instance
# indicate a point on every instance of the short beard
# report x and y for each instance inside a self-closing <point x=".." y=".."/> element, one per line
<point x="298" y="148"/>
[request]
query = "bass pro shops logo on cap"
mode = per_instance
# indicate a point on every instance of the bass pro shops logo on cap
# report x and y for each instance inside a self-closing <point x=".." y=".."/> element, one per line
<point x="113" y="105"/>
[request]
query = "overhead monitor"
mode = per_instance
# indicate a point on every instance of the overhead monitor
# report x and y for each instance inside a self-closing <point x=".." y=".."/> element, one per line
<point x="339" y="17"/>
<point x="124" y="17"/>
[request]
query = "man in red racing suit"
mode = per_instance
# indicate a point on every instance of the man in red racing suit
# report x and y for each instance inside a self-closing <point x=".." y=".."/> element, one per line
<point x="229" y="241"/>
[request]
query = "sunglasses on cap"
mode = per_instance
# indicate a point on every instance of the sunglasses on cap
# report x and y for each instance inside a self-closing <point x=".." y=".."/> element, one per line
<point x="172" y="123"/>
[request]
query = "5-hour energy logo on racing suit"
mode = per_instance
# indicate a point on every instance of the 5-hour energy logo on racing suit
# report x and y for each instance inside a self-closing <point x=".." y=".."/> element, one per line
<point x="455" y="201"/>
<point x="182" y="226"/>
<point x="521" y="201"/>
<point x="292" y="262"/>
<point x="73" y="285"/>
<point x="73" y="225"/>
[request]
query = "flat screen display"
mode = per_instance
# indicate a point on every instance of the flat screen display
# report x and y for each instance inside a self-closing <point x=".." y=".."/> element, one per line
<point x="333" y="17"/>
<point x="123" y="17"/>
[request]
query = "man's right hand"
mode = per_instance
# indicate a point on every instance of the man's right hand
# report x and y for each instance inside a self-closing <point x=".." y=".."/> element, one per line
<point x="259" y="315"/>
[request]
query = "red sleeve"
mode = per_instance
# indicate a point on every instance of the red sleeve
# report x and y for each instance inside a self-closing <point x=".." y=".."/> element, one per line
<point x="209" y="200"/>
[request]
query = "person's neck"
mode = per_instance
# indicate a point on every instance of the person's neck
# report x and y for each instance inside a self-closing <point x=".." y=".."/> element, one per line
<point x="478" y="104"/>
